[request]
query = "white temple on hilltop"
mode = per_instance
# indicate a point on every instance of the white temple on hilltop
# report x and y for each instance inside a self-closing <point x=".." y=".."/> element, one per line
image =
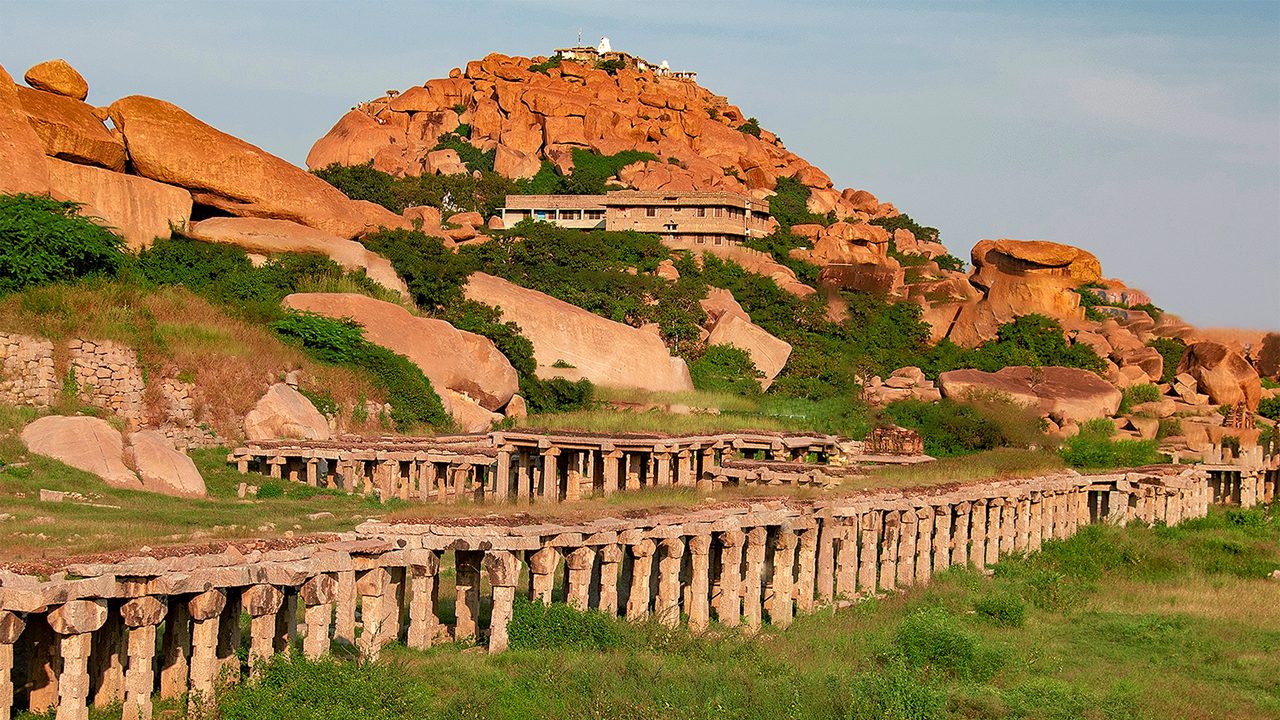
<point x="605" y="52"/>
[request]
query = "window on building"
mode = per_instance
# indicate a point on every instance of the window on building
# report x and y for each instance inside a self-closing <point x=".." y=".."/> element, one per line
<point x="542" y="214"/>
<point x="701" y="212"/>
<point x="651" y="212"/>
<point x="570" y="214"/>
<point x="719" y="212"/>
<point x="702" y="240"/>
<point x="595" y="214"/>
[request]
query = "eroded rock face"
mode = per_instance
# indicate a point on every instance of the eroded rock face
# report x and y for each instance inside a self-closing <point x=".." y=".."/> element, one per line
<point x="1067" y="395"/>
<point x="528" y="117"/>
<point x="167" y="144"/>
<point x="71" y="130"/>
<point x="140" y="210"/>
<point x="22" y="167"/>
<point x="162" y="468"/>
<point x="85" y="443"/>
<point x="729" y="324"/>
<point x="281" y="236"/>
<point x="285" y="413"/>
<point x="1020" y="277"/>
<point x="452" y="359"/>
<point x="58" y="77"/>
<point x="1222" y="373"/>
<point x="603" y="351"/>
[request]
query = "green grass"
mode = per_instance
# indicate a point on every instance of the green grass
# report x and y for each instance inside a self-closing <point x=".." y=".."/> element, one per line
<point x="1113" y="624"/>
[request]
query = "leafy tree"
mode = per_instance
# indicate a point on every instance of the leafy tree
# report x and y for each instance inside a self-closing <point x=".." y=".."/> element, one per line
<point x="750" y="127"/>
<point x="948" y="428"/>
<point x="362" y="182"/>
<point x="610" y="66"/>
<point x="922" y="233"/>
<point x="433" y="273"/>
<point x="46" y="241"/>
<point x="591" y="171"/>
<point x="790" y="205"/>
<point x="1032" y="340"/>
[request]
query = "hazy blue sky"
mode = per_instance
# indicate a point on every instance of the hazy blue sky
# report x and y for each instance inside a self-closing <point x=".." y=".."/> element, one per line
<point x="1147" y="133"/>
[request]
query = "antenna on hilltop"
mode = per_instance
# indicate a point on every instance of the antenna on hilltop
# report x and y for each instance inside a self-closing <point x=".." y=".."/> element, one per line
<point x="579" y="37"/>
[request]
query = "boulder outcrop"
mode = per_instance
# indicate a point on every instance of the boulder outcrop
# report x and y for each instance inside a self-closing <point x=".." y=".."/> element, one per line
<point x="22" y="167"/>
<point x="728" y="324"/>
<point x="463" y="362"/>
<point x="285" y="413"/>
<point x="140" y="210"/>
<point x="605" y="352"/>
<point x="281" y="236"/>
<point x="162" y="468"/>
<point x="169" y="145"/>
<point x="1067" y="395"/>
<point x="85" y="443"/>
<point x="1020" y="277"/>
<point x="58" y="77"/>
<point x="1223" y="374"/>
<point x="71" y="130"/>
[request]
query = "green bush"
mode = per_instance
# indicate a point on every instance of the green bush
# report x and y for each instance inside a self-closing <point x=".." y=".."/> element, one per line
<point x="591" y="170"/>
<point x="1269" y="407"/>
<point x="299" y="689"/>
<point x="433" y="273"/>
<point x="341" y="342"/>
<point x="947" y="427"/>
<point x="537" y="626"/>
<point x="363" y="182"/>
<point x="610" y="66"/>
<point x="1137" y="395"/>
<point x="1094" y="448"/>
<point x="1033" y="340"/>
<point x="1171" y="349"/>
<point x="1002" y="608"/>
<point x="724" y="368"/>
<point x="779" y="244"/>
<point x="45" y="241"/>
<point x="922" y="233"/>
<point x="789" y="205"/>
<point x="895" y="692"/>
<point x="933" y="639"/>
<point x="551" y="62"/>
<point x="750" y="127"/>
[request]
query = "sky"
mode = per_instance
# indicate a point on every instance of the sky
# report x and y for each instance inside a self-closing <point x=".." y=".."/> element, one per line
<point x="1147" y="133"/>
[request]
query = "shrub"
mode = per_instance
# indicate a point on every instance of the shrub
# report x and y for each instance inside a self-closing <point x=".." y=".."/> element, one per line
<point x="1269" y="407"/>
<point x="45" y="241"/>
<point x="947" y="427"/>
<point x="1171" y="349"/>
<point x="433" y="273"/>
<point x="750" y="127"/>
<point x="1003" y="608"/>
<point x="538" y="626"/>
<point x="591" y="170"/>
<point x="933" y="639"/>
<point x="724" y="368"/>
<point x="895" y="692"/>
<point x="341" y="342"/>
<point x="1032" y="340"/>
<point x="922" y="233"/>
<point x="551" y="62"/>
<point x="323" y="689"/>
<point x="1137" y="395"/>
<point x="1094" y="448"/>
<point x="790" y="204"/>
<point x="362" y="182"/>
<point x="610" y="66"/>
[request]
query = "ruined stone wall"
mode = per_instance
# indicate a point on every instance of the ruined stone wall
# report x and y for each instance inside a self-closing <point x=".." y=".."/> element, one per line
<point x="79" y="634"/>
<point x="27" y="373"/>
<point x="108" y="376"/>
<point x="105" y="375"/>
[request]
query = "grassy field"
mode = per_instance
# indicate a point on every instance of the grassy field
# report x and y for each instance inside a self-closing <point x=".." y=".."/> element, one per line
<point x="1113" y="624"/>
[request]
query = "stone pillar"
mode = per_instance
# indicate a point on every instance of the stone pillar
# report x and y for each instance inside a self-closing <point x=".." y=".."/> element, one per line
<point x="229" y="638"/>
<point x="502" y="476"/>
<point x="784" y="563"/>
<point x="75" y="622"/>
<point x="424" y="623"/>
<point x="641" y="569"/>
<point x="524" y="472"/>
<point x="611" y="461"/>
<point x="753" y="577"/>
<point x="397" y="584"/>
<point x="262" y="602"/>
<point x="550" y="475"/>
<point x="287" y="622"/>
<point x="371" y="586"/>
<point x="924" y="545"/>
<point x="729" y="604"/>
<point x="1035" y="517"/>
<point x="907" y="548"/>
<point x="824" y="579"/>
<point x="960" y="538"/>
<point x="467" y="586"/>
<point x="806" y="562"/>
<point x="1060" y="521"/>
<point x="699" y="583"/>
<point x="941" y="538"/>
<point x="140" y="616"/>
<point x="662" y="476"/>
<point x="542" y="568"/>
<point x="610" y="563"/>
<point x="869" y="557"/>
<point x="978" y="535"/>
<point x="175" y="667"/>
<point x="995" y="508"/>
<point x="573" y="476"/>
<point x="11" y="627"/>
<point x="667" y="607"/>
<point x="344" y="622"/>
<point x="890" y="533"/>
<point x="503" y="568"/>
<point x="633" y="471"/>
<point x="317" y="596"/>
<point x="106" y="666"/>
<point x="846" y="580"/>
<point x="206" y="609"/>
<point x="581" y="562"/>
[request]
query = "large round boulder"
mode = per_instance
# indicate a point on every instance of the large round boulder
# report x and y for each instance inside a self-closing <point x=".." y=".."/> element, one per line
<point x="285" y="413"/>
<point x="1065" y="394"/>
<point x="57" y="76"/>
<point x="163" y="468"/>
<point x="85" y="443"/>
<point x="1222" y="374"/>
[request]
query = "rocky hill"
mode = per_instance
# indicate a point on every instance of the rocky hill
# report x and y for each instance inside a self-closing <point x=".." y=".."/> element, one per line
<point x="532" y="109"/>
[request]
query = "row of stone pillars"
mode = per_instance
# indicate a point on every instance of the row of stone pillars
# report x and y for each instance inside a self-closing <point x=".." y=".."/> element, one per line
<point x="567" y="474"/>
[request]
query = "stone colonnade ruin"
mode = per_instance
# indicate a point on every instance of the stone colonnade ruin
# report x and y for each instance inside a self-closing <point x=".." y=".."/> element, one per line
<point x="168" y="624"/>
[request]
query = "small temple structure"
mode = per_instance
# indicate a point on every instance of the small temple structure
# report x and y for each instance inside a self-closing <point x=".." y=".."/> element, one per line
<point x="604" y="52"/>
